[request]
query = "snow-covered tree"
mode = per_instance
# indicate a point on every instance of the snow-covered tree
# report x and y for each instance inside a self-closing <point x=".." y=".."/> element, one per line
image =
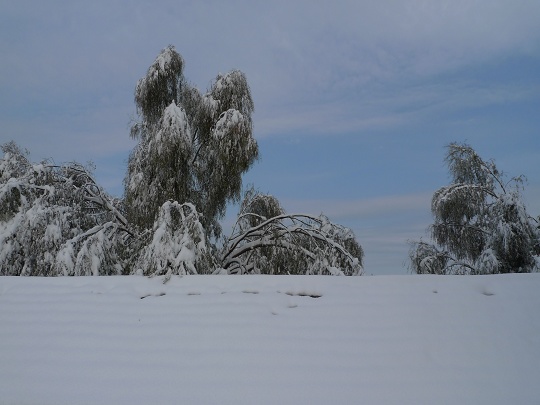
<point x="55" y="219"/>
<point x="257" y="207"/>
<point x="159" y="167"/>
<point x="267" y="240"/>
<point x="481" y="225"/>
<point x="192" y="147"/>
<point x="177" y="242"/>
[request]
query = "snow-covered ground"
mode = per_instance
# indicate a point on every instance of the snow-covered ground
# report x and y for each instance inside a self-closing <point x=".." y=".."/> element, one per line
<point x="270" y="340"/>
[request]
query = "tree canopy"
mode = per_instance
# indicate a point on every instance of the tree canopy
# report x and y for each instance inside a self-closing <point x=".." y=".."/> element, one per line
<point x="192" y="147"/>
<point x="481" y="225"/>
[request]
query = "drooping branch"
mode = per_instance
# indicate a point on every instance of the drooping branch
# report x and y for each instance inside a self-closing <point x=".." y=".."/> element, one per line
<point x="309" y="237"/>
<point x="480" y="225"/>
<point x="82" y="181"/>
<point x="93" y="194"/>
<point x="426" y="258"/>
<point x="59" y="221"/>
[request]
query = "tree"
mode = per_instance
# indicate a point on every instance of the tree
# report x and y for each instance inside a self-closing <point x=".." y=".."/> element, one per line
<point x="192" y="148"/>
<point x="267" y="240"/>
<point x="55" y="219"/>
<point x="178" y="242"/>
<point x="188" y="164"/>
<point x="481" y="225"/>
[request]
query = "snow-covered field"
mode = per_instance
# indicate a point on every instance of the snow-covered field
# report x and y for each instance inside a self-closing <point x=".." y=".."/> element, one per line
<point x="270" y="340"/>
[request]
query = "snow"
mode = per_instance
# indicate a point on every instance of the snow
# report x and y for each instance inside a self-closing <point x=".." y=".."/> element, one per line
<point x="270" y="340"/>
<point x="228" y="120"/>
<point x="161" y="63"/>
<point x="176" y="244"/>
<point x="175" y="124"/>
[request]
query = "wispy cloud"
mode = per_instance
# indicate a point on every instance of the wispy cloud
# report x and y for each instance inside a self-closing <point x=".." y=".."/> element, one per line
<point x="315" y="68"/>
<point x="389" y="108"/>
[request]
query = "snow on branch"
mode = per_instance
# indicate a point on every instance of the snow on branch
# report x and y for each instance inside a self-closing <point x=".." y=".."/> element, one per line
<point x="56" y="220"/>
<point x="292" y="243"/>
<point x="481" y="225"/>
<point x="178" y="242"/>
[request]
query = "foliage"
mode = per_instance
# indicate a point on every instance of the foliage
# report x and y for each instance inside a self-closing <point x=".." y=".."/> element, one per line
<point x="55" y="220"/>
<point x="178" y="241"/>
<point x="188" y="164"/>
<point x="162" y="84"/>
<point x="159" y="168"/>
<point x="192" y="147"/>
<point x="480" y="222"/>
<point x="257" y="207"/>
<point x="266" y="240"/>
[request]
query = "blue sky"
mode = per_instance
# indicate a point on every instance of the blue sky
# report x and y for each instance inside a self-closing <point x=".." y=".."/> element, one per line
<point x="354" y="100"/>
